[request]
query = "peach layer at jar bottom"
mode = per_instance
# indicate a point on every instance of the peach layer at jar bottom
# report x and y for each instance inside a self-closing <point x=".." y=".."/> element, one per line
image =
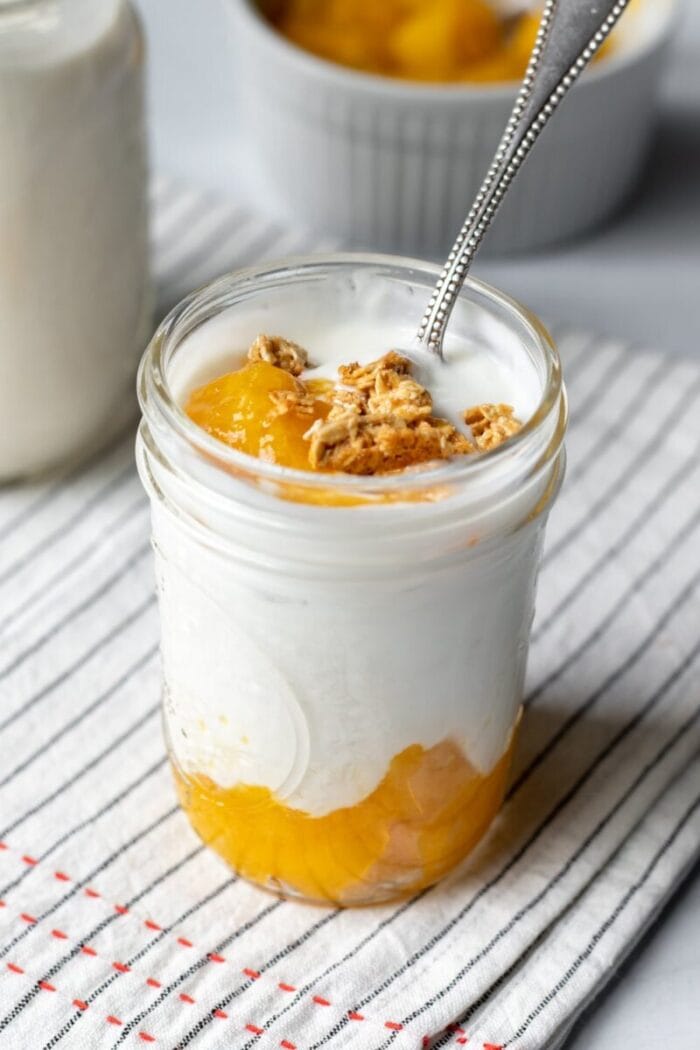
<point x="420" y="822"/>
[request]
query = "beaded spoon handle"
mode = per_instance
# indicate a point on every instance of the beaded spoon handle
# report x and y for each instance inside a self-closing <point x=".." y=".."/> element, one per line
<point x="570" y="33"/>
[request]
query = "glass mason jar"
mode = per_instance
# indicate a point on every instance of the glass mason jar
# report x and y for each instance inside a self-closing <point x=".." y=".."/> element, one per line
<point x="343" y="657"/>
<point x="75" y="302"/>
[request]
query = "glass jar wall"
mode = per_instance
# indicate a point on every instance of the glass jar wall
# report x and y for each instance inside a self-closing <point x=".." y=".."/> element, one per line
<point x="343" y="657"/>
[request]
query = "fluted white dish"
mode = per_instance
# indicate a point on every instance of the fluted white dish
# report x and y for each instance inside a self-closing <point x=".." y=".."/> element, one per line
<point x="392" y="164"/>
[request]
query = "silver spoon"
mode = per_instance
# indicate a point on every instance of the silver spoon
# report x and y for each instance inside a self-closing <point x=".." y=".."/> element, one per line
<point x="570" y="33"/>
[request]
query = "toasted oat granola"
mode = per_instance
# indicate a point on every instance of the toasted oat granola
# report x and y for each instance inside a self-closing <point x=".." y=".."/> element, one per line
<point x="491" y="425"/>
<point x="380" y="417"/>
<point x="364" y="377"/>
<point x="381" y="420"/>
<point x="344" y="401"/>
<point x="372" y="444"/>
<point x="298" y="401"/>
<point x="282" y="353"/>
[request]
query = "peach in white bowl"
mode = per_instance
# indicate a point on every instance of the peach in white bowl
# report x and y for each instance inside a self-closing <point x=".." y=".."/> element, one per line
<point x="394" y="164"/>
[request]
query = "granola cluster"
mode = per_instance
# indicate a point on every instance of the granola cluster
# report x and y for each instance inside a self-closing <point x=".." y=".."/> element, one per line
<point x="491" y="425"/>
<point x="282" y="353"/>
<point x="380" y="418"/>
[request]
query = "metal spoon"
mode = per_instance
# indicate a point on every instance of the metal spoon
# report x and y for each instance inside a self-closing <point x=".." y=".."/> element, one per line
<point x="570" y="33"/>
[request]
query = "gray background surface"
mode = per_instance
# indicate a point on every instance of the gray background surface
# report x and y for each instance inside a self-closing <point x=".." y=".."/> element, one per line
<point x="639" y="280"/>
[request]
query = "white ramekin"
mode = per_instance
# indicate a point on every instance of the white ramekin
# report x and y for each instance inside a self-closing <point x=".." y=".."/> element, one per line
<point x="394" y="166"/>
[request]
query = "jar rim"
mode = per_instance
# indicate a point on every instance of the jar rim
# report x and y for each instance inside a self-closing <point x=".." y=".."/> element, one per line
<point x="153" y="384"/>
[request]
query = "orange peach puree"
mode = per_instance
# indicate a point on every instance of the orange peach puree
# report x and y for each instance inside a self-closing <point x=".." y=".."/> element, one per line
<point x="444" y="41"/>
<point x="237" y="409"/>
<point x="421" y="820"/>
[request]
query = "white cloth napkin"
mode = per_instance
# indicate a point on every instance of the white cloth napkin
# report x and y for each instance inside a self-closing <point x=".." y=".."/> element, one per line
<point x="118" y="929"/>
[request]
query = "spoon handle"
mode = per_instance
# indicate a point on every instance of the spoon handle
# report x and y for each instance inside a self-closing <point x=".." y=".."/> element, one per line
<point x="570" y="33"/>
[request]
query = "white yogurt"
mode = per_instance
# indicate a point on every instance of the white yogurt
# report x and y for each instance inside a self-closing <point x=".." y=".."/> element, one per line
<point x="323" y="641"/>
<point x="74" y="290"/>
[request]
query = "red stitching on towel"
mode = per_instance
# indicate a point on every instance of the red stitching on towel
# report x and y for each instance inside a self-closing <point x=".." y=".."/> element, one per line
<point x="285" y="1044"/>
<point x="184" y="942"/>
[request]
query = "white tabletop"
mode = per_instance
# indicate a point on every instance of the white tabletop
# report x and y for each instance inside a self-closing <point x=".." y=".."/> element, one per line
<point x="639" y="280"/>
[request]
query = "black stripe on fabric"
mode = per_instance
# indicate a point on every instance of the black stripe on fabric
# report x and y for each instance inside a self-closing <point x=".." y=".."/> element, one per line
<point x="106" y="807"/>
<point x="620" y="421"/>
<point x="171" y="290"/>
<point x="64" y="478"/>
<point x="85" y="713"/>
<point x="110" y="749"/>
<point x="227" y="1000"/>
<point x="46" y="690"/>
<point x="305" y="989"/>
<point x="222" y="946"/>
<point x="202" y="246"/>
<point x="600" y="388"/>
<point x="561" y="804"/>
<point x="628" y="473"/>
<point x="139" y="955"/>
<point x="66" y="568"/>
<point x="636" y="886"/>
<point x="583" y="358"/>
<point x="534" y="901"/>
<point x="83" y="606"/>
<point x="676" y="605"/>
<point x="530" y="948"/>
<point x="670" y="548"/>
<point x="185" y="207"/>
<point x="94" y="932"/>
<point x="76" y="887"/>
<point x="656" y="503"/>
<point x="66" y="527"/>
<point x="254" y="250"/>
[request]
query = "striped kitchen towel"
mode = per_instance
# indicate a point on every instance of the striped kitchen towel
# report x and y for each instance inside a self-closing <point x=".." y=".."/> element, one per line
<point x="118" y="929"/>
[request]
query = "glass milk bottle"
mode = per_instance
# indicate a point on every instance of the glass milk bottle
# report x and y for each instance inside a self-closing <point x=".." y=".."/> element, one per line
<point x="74" y="289"/>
